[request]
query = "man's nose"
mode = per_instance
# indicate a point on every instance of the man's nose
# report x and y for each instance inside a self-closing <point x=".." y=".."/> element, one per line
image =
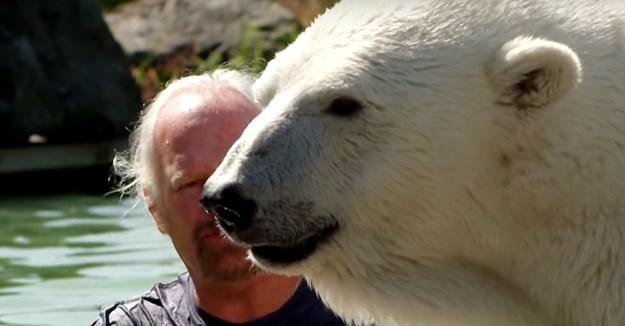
<point x="234" y="211"/>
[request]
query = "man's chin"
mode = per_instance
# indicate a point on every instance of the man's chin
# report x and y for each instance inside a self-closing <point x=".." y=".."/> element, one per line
<point x="227" y="275"/>
<point x="226" y="263"/>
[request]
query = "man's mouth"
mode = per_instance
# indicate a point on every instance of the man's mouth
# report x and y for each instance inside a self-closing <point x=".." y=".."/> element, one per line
<point x="209" y="230"/>
<point x="287" y="254"/>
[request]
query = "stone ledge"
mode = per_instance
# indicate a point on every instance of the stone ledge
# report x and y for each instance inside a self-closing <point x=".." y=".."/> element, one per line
<point x="54" y="157"/>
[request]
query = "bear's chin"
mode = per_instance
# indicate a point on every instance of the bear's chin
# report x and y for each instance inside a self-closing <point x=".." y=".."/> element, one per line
<point x="277" y="255"/>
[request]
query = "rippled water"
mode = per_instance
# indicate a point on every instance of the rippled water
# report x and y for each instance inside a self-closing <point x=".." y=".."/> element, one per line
<point x="62" y="258"/>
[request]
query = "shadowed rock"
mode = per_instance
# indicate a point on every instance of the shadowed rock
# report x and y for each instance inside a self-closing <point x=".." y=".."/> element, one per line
<point x="64" y="77"/>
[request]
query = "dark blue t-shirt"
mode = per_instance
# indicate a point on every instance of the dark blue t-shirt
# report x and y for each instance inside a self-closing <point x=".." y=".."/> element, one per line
<point x="174" y="304"/>
<point x="302" y="309"/>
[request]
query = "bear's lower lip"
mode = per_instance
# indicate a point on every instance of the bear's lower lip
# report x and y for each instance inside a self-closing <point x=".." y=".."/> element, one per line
<point x="290" y="254"/>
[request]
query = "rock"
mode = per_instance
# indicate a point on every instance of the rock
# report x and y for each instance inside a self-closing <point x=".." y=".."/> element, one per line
<point x="161" y="27"/>
<point x="64" y="78"/>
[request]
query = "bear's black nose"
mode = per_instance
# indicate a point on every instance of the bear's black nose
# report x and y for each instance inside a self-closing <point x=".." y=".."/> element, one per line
<point x="234" y="211"/>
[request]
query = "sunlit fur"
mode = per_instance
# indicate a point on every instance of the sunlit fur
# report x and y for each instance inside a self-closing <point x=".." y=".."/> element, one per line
<point x="466" y="195"/>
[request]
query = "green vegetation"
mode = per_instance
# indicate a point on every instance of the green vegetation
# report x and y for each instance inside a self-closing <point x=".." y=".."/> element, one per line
<point x="252" y="55"/>
<point x="256" y="48"/>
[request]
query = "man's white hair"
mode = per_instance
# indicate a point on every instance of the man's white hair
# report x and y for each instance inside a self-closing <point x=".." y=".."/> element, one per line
<point x="136" y="166"/>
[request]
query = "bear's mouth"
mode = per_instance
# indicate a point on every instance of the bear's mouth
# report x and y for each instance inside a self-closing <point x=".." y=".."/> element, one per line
<point x="282" y="255"/>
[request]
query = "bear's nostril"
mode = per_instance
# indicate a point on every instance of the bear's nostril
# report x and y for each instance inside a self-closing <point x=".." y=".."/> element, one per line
<point x="234" y="211"/>
<point x="229" y="219"/>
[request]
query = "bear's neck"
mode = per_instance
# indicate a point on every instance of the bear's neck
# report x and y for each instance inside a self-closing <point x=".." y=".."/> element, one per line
<point x="452" y="295"/>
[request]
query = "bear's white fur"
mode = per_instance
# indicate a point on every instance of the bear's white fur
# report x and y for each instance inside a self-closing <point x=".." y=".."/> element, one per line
<point x="479" y="179"/>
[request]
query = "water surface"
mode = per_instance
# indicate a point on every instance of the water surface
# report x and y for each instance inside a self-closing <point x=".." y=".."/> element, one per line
<point x="63" y="257"/>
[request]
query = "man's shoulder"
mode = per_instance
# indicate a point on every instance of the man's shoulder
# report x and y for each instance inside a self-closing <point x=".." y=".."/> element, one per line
<point x="152" y="308"/>
<point x="143" y="310"/>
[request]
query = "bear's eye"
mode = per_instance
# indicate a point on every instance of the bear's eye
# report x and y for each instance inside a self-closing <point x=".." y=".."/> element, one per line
<point x="344" y="106"/>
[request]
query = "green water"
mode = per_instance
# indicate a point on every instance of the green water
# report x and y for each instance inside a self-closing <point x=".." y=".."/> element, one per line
<point x="62" y="258"/>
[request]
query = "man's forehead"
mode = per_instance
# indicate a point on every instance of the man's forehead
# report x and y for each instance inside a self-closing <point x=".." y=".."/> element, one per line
<point x="189" y="108"/>
<point x="192" y="123"/>
<point x="190" y="143"/>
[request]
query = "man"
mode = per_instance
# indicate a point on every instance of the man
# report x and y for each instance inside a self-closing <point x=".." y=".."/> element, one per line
<point x="179" y="142"/>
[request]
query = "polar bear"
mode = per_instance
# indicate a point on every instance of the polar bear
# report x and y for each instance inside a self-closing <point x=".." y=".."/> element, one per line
<point x="442" y="162"/>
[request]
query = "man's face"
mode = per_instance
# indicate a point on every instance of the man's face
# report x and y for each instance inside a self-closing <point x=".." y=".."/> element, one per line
<point x="192" y="135"/>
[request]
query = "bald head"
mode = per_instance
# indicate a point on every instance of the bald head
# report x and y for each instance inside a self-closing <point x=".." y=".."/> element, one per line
<point x="214" y="106"/>
<point x="193" y="113"/>
<point x="196" y="127"/>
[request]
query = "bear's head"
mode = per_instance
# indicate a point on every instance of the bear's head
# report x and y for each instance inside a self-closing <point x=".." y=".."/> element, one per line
<point x="392" y="133"/>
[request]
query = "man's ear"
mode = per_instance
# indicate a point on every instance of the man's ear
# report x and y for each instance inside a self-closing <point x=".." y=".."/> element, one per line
<point x="155" y="211"/>
<point x="533" y="73"/>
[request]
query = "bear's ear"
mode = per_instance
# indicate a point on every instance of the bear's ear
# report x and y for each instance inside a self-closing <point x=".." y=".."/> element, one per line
<point x="533" y="73"/>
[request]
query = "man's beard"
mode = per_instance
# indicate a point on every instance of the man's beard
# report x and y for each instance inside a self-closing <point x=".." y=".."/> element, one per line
<point x="208" y="257"/>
